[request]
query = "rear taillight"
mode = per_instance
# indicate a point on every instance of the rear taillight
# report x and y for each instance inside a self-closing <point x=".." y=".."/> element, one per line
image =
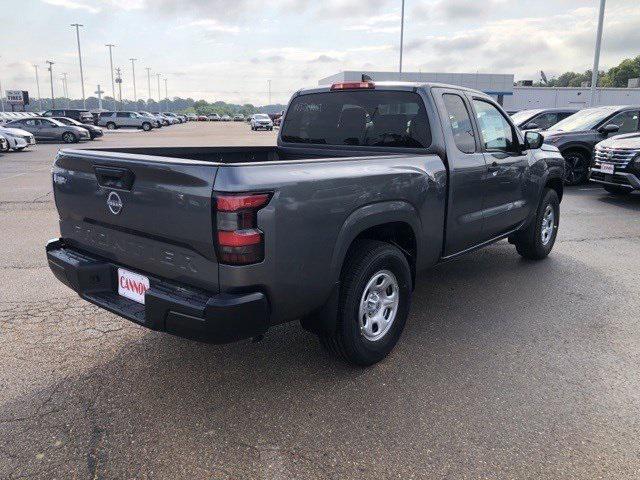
<point x="238" y="239"/>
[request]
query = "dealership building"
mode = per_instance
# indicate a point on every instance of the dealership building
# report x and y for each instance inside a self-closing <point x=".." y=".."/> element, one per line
<point x="501" y="87"/>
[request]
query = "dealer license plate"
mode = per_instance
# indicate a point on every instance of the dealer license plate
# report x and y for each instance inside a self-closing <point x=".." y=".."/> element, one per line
<point x="132" y="285"/>
<point x="607" y="168"/>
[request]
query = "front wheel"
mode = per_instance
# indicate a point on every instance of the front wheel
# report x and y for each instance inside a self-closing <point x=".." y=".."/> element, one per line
<point x="111" y="126"/>
<point x="374" y="301"/>
<point x="537" y="240"/>
<point x="576" y="169"/>
<point x="69" y="137"/>
<point x="146" y="127"/>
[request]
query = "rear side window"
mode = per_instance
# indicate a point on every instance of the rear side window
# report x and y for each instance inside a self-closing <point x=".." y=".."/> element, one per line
<point x="368" y="118"/>
<point x="105" y="114"/>
<point x="460" y="121"/>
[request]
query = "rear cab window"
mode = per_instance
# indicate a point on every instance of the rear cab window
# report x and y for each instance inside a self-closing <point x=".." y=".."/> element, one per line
<point x="460" y="122"/>
<point x="374" y="118"/>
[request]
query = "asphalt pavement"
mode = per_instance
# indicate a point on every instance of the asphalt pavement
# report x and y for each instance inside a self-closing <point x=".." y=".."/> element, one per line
<point x="506" y="369"/>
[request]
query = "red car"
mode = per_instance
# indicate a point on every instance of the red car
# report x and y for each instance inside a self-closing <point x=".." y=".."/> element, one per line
<point x="202" y="118"/>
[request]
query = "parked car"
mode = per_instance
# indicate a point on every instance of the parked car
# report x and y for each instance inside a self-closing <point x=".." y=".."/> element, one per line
<point x="238" y="118"/>
<point x="261" y="121"/>
<point x="202" y="118"/>
<point x="4" y="144"/>
<point x="169" y="120"/>
<point x="81" y="115"/>
<point x="113" y="120"/>
<point x="177" y="118"/>
<point x="577" y="135"/>
<point x="541" y="118"/>
<point x="94" y="132"/>
<point x="191" y="117"/>
<point x="367" y="186"/>
<point x="616" y="164"/>
<point x="157" y="120"/>
<point x="225" y="118"/>
<point x="49" y="129"/>
<point x="214" y="117"/>
<point x="18" y="138"/>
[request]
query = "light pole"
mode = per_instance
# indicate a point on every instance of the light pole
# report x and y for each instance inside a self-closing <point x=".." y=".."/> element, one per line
<point x="401" y="36"/>
<point x="78" y="25"/>
<point x="113" y="85"/>
<point x="148" y="80"/>
<point x="133" y="76"/>
<point x="38" y="86"/>
<point x="65" y="91"/>
<point x="166" y="96"/>
<point x="269" y="81"/>
<point x="119" y="82"/>
<point x="1" y="96"/>
<point x="53" y="98"/>
<point x="159" y="93"/>
<point x="596" y="57"/>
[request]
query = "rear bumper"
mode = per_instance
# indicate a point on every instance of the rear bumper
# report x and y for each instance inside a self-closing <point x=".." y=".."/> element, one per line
<point x="172" y="308"/>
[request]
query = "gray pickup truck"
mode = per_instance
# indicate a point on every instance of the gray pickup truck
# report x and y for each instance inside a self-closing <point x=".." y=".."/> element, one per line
<point x="368" y="185"/>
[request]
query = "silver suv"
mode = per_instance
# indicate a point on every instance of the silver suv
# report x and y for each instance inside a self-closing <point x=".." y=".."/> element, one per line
<point x="113" y="120"/>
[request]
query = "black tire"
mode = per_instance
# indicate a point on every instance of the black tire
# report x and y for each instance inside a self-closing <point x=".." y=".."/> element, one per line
<point x="530" y="243"/>
<point x="612" y="189"/>
<point x="576" y="171"/>
<point x="19" y="149"/>
<point x="146" y="126"/>
<point x="68" y="137"/>
<point x="111" y="126"/>
<point x="366" y="260"/>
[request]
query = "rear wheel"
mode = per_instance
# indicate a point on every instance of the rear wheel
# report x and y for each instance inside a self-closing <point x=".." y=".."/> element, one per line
<point x="111" y="126"/>
<point x="576" y="167"/>
<point x="374" y="300"/>
<point x="537" y="240"/>
<point x="612" y="189"/>
<point x="69" y="137"/>
<point x="146" y="126"/>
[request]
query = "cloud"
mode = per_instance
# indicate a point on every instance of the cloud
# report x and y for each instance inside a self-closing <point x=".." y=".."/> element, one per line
<point x="324" y="59"/>
<point x="212" y="26"/>
<point x="74" y="5"/>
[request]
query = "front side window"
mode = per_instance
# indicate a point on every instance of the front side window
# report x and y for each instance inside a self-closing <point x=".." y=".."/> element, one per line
<point x="358" y="117"/>
<point x="460" y="122"/>
<point x="496" y="132"/>
<point x="627" y="121"/>
<point x="545" y="120"/>
<point x="122" y="114"/>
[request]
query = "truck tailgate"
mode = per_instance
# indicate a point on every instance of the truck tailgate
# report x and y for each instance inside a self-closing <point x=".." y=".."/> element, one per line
<point x="149" y="214"/>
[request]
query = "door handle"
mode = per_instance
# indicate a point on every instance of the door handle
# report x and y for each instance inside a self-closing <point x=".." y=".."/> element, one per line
<point x="494" y="167"/>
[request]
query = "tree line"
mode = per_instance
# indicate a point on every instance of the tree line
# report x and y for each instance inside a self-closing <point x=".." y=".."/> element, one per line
<point x="617" y="76"/>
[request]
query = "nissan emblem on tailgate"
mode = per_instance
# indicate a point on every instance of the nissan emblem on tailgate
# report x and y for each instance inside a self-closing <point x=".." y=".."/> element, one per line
<point x="114" y="202"/>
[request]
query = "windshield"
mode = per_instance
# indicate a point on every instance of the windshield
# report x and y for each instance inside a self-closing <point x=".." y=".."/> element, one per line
<point x="358" y="117"/>
<point x="584" y="119"/>
<point x="525" y="115"/>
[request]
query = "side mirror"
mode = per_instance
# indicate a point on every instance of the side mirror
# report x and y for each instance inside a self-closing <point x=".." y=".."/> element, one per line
<point x="530" y="126"/>
<point x="533" y="140"/>
<point x="609" y="128"/>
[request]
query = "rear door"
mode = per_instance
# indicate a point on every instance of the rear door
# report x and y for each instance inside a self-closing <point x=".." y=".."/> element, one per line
<point x="467" y="172"/>
<point x="151" y="215"/>
<point x="504" y="205"/>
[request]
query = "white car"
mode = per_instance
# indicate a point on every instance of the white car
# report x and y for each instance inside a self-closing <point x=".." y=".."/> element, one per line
<point x="18" y="139"/>
<point x="261" y="120"/>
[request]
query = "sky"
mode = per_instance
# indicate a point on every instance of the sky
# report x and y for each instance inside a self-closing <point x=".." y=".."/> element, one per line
<point x="229" y="49"/>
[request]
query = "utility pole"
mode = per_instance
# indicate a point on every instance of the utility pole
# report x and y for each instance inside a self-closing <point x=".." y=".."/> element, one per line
<point x="1" y="96"/>
<point x="269" y="81"/>
<point x="119" y="82"/>
<point x="148" y="80"/>
<point x="401" y="36"/>
<point x="78" y="25"/>
<point x="596" y="56"/>
<point x="99" y="92"/>
<point x="159" y="93"/>
<point x="38" y="86"/>
<point x="166" y="96"/>
<point x="113" y="85"/>
<point x="53" y="98"/>
<point x="133" y="76"/>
